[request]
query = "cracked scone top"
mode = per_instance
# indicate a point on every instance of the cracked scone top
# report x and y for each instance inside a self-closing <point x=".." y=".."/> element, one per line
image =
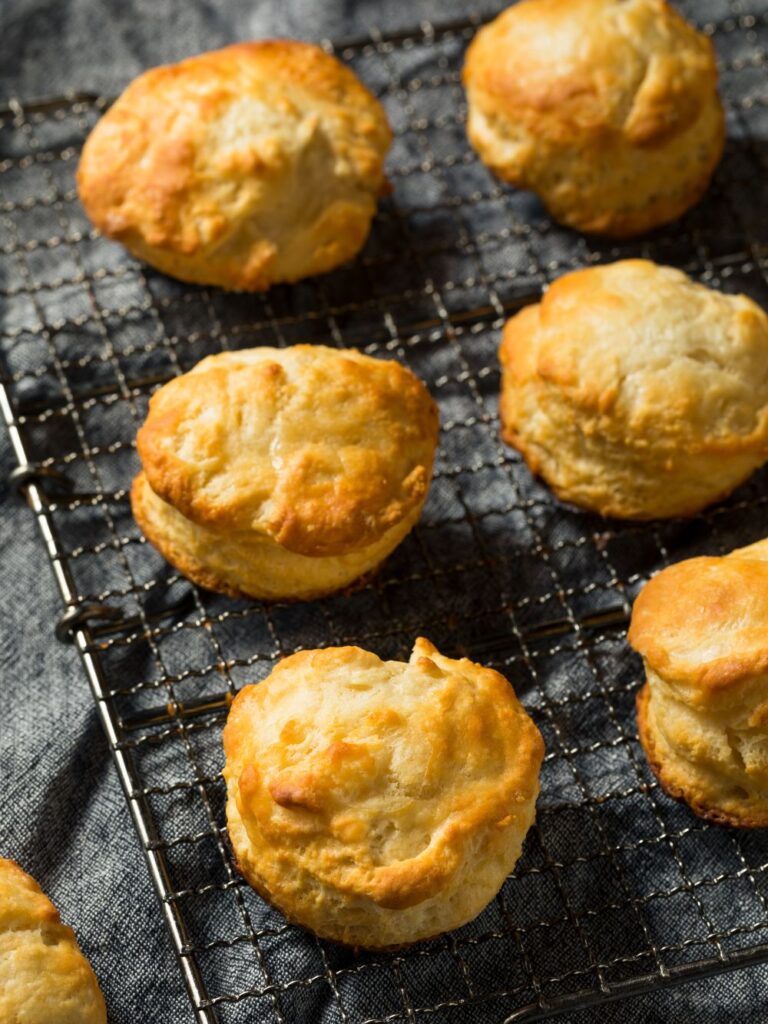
<point x="701" y="627"/>
<point x="635" y="392"/>
<point x="379" y="803"/>
<point x="258" y="163"/>
<point x="608" y="109"/>
<point x="284" y="473"/>
<point x="44" y="978"/>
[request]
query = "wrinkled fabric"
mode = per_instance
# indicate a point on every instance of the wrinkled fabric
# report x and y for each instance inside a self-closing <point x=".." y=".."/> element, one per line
<point x="64" y="816"/>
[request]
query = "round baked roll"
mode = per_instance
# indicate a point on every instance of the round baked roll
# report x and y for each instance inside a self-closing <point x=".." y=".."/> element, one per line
<point x="377" y="802"/>
<point x="44" y="978"/>
<point x="242" y="167"/>
<point x="702" y="629"/>
<point x="636" y="393"/>
<point x="608" y="109"/>
<point x="284" y="473"/>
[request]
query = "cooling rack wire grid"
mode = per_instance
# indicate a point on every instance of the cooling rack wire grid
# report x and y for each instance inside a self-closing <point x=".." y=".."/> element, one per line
<point x="619" y="889"/>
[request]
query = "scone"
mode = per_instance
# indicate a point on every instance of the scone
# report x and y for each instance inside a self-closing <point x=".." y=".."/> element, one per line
<point x="608" y="109"/>
<point x="702" y="629"/>
<point x="243" y="167"/>
<point x="44" y="978"/>
<point x="636" y="393"/>
<point x="284" y="473"/>
<point x="379" y="803"/>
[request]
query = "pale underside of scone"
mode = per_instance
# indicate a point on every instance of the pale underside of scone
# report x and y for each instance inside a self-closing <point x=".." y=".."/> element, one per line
<point x="284" y="473"/>
<point x="635" y="392"/>
<point x="702" y="629"/>
<point x="716" y="788"/>
<point x="608" y="110"/>
<point x="379" y="803"/>
<point x="44" y="978"/>
<point x="616" y="480"/>
<point x="256" y="164"/>
<point x="249" y="564"/>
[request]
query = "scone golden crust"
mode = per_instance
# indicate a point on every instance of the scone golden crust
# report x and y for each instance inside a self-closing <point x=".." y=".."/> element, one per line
<point x="701" y="627"/>
<point x="44" y="978"/>
<point x="379" y="803"/>
<point x="635" y="392"/>
<point x="608" y="109"/>
<point x="242" y="167"/>
<point x="284" y="473"/>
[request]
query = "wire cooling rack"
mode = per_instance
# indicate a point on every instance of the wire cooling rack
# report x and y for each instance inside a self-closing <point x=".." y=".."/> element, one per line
<point x="619" y="889"/>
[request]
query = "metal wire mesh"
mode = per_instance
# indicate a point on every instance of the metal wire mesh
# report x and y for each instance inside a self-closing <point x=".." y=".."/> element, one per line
<point x="619" y="889"/>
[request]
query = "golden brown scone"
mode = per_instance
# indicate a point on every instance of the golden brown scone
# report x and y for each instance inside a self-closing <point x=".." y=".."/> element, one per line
<point x="284" y="473"/>
<point x="635" y="392"/>
<point x="608" y="109"/>
<point x="242" y="167"/>
<point x="379" y="803"/>
<point x="702" y="629"/>
<point x="44" y="978"/>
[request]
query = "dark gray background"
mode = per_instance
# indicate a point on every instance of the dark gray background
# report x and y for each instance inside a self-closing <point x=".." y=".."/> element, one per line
<point x="64" y="818"/>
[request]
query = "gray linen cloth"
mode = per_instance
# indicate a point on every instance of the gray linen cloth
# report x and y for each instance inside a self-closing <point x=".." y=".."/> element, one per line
<point x="63" y="814"/>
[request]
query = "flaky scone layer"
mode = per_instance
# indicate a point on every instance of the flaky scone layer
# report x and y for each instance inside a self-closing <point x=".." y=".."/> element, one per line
<point x="322" y="450"/>
<point x="241" y="167"/>
<point x="284" y="473"/>
<point x="635" y="392"/>
<point x="702" y="629"/>
<point x="44" y="978"/>
<point x="608" y="109"/>
<point x="379" y="803"/>
<point x="249" y="564"/>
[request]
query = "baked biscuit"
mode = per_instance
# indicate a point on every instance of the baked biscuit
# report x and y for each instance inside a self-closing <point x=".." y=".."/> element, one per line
<point x="284" y="473"/>
<point x="702" y="629"/>
<point x="44" y="978"/>
<point x="608" y="109"/>
<point x="636" y="393"/>
<point x="379" y="803"/>
<point x="242" y="167"/>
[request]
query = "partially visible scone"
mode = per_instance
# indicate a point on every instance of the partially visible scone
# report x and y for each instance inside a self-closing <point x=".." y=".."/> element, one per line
<point x="44" y="978"/>
<point x="284" y="473"/>
<point x="702" y="629"/>
<point x="635" y="392"/>
<point x="379" y="803"/>
<point x="608" y="109"/>
<point x="246" y="166"/>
